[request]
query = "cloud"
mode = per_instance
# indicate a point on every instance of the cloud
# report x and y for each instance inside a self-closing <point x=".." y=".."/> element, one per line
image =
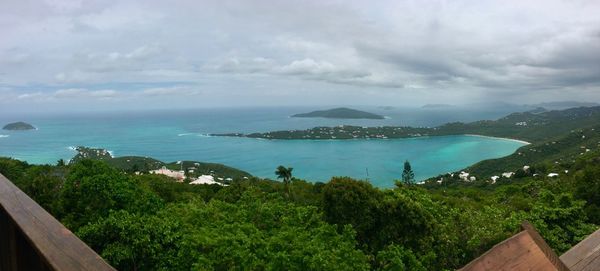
<point x="70" y="94"/>
<point x="169" y="91"/>
<point x="524" y="51"/>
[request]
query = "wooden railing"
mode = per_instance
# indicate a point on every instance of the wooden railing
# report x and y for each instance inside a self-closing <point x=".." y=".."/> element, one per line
<point x="32" y="239"/>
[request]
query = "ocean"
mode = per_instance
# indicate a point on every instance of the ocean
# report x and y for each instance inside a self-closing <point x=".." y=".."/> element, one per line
<point x="182" y="135"/>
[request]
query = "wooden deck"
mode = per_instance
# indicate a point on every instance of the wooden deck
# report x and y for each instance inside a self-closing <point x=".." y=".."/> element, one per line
<point x="584" y="256"/>
<point x="524" y="251"/>
<point x="32" y="239"/>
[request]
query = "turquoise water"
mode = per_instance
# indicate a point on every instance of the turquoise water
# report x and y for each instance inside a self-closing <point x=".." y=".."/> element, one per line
<point x="172" y="136"/>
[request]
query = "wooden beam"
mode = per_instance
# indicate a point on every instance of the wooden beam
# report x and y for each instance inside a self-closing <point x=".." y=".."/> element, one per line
<point x="31" y="232"/>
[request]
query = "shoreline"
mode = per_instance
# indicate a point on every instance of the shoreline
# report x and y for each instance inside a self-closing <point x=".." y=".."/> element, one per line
<point x="503" y="138"/>
<point x="375" y="138"/>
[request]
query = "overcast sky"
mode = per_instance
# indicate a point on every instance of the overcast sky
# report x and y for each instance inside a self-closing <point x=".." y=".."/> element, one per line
<point x="169" y="54"/>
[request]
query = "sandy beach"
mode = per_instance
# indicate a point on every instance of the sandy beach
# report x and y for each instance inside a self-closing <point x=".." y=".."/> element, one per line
<point x="504" y="138"/>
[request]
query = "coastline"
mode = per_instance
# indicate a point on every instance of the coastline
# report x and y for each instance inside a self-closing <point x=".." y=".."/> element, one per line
<point x="373" y="138"/>
<point x="503" y="138"/>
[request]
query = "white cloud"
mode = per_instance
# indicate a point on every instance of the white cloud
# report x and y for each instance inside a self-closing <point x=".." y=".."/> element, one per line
<point x="167" y="91"/>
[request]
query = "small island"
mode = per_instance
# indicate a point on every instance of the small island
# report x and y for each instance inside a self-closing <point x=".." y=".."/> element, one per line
<point x="18" y="126"/>
<point x="339" y="113"/>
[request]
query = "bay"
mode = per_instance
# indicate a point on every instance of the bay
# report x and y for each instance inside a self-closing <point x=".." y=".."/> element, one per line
<point x="181" y="135"/>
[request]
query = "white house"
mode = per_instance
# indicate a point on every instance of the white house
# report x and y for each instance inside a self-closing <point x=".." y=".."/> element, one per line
<point x="552" y="175"/>
<point x="206" y="179"/>
<point x="472" y="178"/>
<point x="463" y="175"/>
<point x="179" y="175"/>
<point x="494" y="179"/>
<point x="508" y="174"/>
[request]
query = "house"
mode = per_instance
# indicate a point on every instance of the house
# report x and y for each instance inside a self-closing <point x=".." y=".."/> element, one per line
<point x="494" y="179"/>
<point x="206" y="179"/>
<point x="552" y="175"/>
<point x="463" y="175"/>
<point x="179" y="175"/>
<point x="508" y="174"/>
<point x="472" y="178"/>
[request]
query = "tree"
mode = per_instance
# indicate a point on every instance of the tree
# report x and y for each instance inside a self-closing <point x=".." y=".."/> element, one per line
<point x="60" y="163"/>
<point x="408" y="176"/>
<point x="285" y="174"/>
<point x="350" y="202"/>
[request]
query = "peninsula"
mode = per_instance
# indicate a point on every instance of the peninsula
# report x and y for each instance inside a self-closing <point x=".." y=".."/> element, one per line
<point x="18" y="126"/>
<point x="339" y="113"/>
<point x="146" y="164"/>
<point x="525" y="126"/>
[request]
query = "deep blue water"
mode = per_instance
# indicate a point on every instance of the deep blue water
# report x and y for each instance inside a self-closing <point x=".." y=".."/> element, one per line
<point x="179" y="135"/>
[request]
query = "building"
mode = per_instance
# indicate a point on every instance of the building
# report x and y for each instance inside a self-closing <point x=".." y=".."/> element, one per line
<point x="179" y="175"/>
<point x="508" y="174"/>
<point x="206" y="179"/>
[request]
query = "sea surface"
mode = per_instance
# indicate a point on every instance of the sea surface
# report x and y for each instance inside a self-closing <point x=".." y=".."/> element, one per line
<point x="182" y="135"/>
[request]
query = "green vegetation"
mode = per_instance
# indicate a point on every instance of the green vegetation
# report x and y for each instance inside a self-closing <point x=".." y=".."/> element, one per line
<point x="339" y="113"/>
<point x="141" y="164"/>
<point x="18" y="126"/>
<point x="148" y="222"/>
<point x="285" y="174"/>
<point x="408" y="176"/>
<point x="528" y="126"/>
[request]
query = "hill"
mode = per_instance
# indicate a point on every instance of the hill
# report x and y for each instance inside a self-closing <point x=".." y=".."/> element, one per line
<point x="435" y="106"/>
<point x="18" y="126"/>
<point x="339" y="113"/>
<point x="145" y="164"/>
<point x="533" y="126"/>
<point x="561" y="105"/>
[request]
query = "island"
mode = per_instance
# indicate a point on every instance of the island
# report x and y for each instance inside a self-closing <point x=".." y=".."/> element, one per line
<point x="339" y="113"/>
<point x="554" y="136"/>
<point x="18" y="126"/>
<point x="436" y="106"/>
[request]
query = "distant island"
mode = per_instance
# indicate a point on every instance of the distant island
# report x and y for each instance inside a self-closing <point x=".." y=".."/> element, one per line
<point x="527" y="126"/>
<point x="436" y="106"/>
<point x="18" y="126"/>
<point x="339" y="113"/>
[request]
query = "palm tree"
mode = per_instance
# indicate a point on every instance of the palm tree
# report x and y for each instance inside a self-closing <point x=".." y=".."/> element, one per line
<point x="285" y="174"/>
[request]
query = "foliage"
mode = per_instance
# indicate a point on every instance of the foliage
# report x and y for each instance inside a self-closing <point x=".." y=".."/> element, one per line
<point x="285" y="174"/>
<point x="408" y="176"/>
<point x="398" y="258"/>
<point x="150" y="222"/>
<point x="92" y="189"/>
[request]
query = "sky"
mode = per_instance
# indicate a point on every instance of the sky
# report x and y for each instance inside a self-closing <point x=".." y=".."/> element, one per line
<point x="105" y="55"/>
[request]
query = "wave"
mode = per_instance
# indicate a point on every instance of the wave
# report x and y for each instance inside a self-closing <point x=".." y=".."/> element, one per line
<point x="2" y="136"/>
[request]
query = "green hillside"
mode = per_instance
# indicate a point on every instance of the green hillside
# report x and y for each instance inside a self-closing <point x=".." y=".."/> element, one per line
<point x="145" y="164"/>
<point x="528" y="126"/>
